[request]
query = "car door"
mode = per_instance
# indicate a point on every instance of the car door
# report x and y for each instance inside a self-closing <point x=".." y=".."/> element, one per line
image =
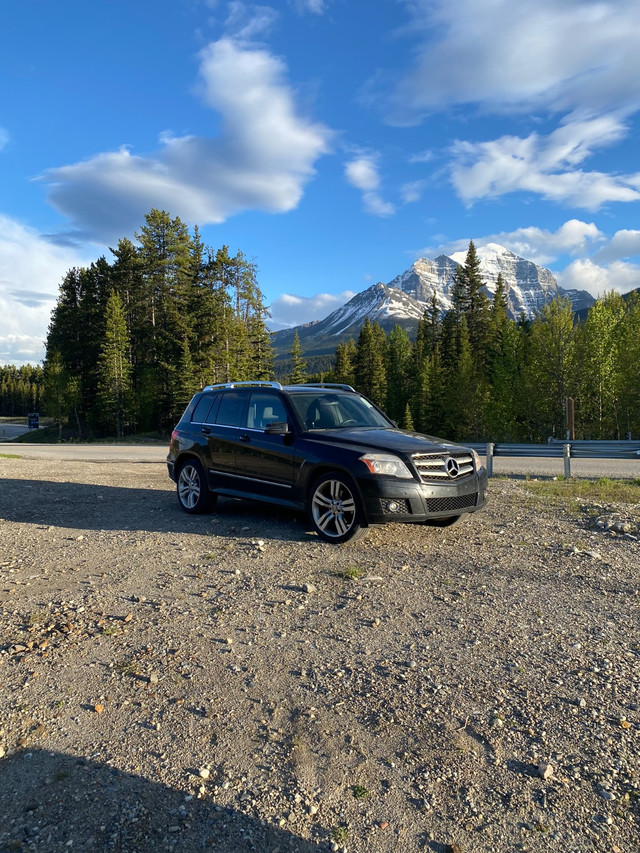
<point x="264" y="462"/>
<point x="222" y="431"/>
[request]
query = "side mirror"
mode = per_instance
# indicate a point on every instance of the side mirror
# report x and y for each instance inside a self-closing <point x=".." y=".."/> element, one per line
<point x="277" y="428"/>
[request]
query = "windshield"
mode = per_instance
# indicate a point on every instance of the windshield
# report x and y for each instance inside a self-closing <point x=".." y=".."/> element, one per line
<point x="324" y="410"/>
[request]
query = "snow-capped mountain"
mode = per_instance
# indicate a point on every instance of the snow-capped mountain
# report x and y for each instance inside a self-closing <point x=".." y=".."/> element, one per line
<point x="528" y="285"/>
<point x="404" y="299"/>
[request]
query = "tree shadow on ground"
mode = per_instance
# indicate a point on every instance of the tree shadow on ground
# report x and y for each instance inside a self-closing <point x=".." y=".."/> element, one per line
<point x="87" y="506"/>
<point x="51" y="802"/>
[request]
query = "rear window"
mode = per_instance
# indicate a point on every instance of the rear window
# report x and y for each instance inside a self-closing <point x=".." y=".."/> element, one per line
<point x="202" y="409"/>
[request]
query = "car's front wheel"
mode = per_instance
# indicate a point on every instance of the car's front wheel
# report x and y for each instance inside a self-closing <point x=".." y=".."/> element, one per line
<point x="193" y="493"/>
<point x="335" y="510"/>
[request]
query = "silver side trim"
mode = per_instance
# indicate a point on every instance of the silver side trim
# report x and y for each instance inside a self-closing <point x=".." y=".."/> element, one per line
<point x="251" y="479"/>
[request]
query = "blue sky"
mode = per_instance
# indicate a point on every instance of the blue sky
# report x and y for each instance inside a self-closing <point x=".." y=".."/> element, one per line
<point x="332" y="141"/>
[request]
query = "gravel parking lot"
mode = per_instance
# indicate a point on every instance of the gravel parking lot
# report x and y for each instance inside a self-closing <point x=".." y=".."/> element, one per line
<point x="229" y="683"/>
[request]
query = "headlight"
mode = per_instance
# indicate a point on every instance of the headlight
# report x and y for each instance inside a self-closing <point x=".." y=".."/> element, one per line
<point x="476" y="459"/>
<point x="387" y="464"/>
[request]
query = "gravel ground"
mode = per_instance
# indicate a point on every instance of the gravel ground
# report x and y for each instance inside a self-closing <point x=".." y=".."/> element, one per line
<point x="229" y="683"/>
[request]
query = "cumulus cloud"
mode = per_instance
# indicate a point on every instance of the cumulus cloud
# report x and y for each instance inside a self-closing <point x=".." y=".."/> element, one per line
<point x="362" y="173"/>
<point x="540" y="245"/>
<point x="289" y="310"/>
<point x="261" y="160"/>
<point x="31" y="269"/>
<point x="623" y="244"/>
<point x="546" y="165"/>
<point x="543" y="246"/>
<point x="534" y="54"/>
<point x="584" y="274"/>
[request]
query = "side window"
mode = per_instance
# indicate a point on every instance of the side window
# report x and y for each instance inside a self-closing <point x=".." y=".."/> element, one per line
<point x="230" y="409"/>
<point x="201" y="410"/>
<point x="265" y="408"/>
<point x="211" y="417"/>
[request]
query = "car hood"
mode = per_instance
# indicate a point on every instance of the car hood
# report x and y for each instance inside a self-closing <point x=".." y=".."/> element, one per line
<point x="394" y="440"/>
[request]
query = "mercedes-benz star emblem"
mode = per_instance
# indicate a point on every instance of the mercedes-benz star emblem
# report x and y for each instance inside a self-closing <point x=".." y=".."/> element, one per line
<point x="452" y="467"/>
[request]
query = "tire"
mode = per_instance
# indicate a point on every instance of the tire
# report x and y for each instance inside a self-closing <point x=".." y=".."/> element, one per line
<point x="449" y="521"/>
<point x="193" y="493"/>
<point x="335" y="510"/>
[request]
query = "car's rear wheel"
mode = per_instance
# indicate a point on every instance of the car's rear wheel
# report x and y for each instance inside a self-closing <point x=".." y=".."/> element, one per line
<point x="193" y="493"/>
<point x="335" y="510"/>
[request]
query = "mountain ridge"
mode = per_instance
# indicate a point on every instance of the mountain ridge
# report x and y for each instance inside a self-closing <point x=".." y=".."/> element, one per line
<point x="404" y="299"/>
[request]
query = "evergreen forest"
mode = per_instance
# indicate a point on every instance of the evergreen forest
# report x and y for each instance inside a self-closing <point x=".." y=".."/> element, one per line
<point x="131" y="340"/>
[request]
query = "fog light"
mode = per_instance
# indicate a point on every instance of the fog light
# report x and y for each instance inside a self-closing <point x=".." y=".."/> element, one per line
<point x="393" y="506"/>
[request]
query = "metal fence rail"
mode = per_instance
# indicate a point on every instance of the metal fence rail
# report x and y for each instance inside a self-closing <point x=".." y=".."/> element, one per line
<point x="561" y="450"/>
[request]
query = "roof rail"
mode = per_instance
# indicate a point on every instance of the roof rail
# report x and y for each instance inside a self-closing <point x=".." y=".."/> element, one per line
<point x="257" y="384"/>
<point x="324" y="385"/>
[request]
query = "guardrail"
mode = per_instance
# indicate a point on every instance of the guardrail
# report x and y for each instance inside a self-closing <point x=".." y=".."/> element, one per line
<point x="561" y="450"/>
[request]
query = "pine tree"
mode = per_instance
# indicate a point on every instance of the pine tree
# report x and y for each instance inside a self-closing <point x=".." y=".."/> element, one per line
<point x="628" y="370"/>
<point x="549" y="376"/>
<point x="598" y="342"/>
<point x="398" y="372"/>
<point x="369" y="369"/>
<point x="114" y="369"/>
<point x="56" y="389"/>
<point x="298" y="375"/>
<point x="345" y="359"/>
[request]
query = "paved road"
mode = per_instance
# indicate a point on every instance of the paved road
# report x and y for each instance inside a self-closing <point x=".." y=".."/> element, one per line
<point x="9" y="431"/>
<point x="90" y="452"/>
<point x="502" y="465"/>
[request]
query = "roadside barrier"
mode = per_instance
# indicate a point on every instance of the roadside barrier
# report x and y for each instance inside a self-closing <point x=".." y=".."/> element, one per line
<point x="561" y="450"/>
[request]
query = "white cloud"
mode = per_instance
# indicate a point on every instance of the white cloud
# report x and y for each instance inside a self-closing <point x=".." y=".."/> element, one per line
<point x="624" y="244"/>
<point x="598" y="280"/>
<point x="289" y="310"/>
<point x="31" y="269"/>
<point x="261" y="160"/>
<point x="542" y="246"/>
<point x="544" y="165"/>
<point x="539" y="245"/>
<point x="246" y="22"/>
<point x="557" y="55"/>
<point x="362" y="173"/>
<point x="317" y="7"/>
<point x="413" y="191"/>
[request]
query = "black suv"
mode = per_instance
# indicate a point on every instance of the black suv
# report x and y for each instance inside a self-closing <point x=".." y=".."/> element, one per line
<point x="321" y="448"/>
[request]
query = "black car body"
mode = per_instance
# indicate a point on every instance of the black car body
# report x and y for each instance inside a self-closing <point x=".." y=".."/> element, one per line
<point x="320" y="448"/>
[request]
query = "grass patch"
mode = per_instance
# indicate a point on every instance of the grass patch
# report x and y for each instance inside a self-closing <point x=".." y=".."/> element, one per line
<point x="9" y="456"/>
<point x="351" y="573"/>
<point x="339" y="833"/>
<point x="604" y="489"/>
<point x="359" y="792"/>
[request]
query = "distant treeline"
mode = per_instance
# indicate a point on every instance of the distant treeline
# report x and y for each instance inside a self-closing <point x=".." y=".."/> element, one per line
<point x="131" y="340"/>
<point x="20" y="390"/>
<point x="475" y="374"/>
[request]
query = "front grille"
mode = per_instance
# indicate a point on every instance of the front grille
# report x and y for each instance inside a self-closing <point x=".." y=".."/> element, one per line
<point x="438" y="466"/>
<point x="452" y="504"/>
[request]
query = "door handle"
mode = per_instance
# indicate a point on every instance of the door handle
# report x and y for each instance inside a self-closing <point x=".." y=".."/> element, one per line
<point x="245" y="437"/>
<point x="206" y="430"/>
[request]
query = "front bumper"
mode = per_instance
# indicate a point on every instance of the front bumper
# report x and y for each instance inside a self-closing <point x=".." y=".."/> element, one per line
<point x="388" y="499"/>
